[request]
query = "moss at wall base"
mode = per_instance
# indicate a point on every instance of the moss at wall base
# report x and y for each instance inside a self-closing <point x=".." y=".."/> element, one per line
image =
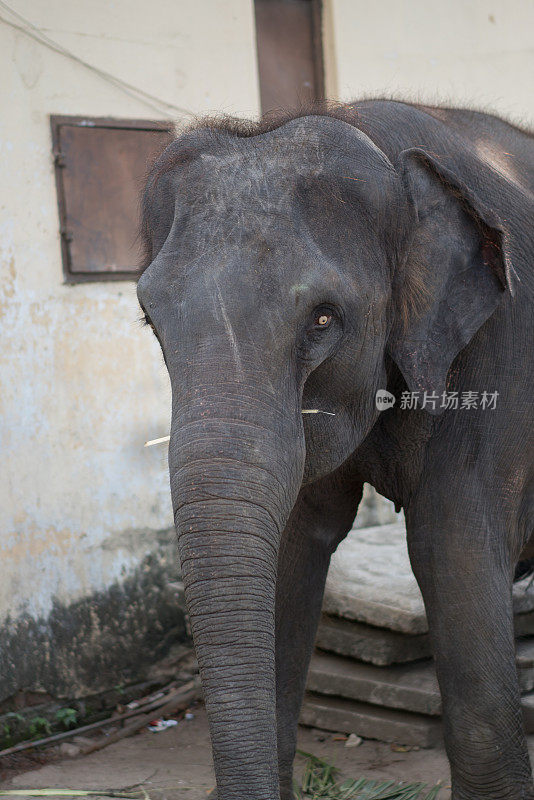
<point x="99" y="642"/>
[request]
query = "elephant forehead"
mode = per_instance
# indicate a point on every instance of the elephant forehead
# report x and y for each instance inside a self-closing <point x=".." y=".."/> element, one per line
<point x="245" y="183"/>
<point x="262" y="172"/>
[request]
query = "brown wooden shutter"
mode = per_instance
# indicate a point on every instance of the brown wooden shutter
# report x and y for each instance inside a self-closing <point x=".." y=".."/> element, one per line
<point x="100" y="170"/>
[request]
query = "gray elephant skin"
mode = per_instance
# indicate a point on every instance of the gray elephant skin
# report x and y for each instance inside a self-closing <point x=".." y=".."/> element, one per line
<point x="303" y="263"/>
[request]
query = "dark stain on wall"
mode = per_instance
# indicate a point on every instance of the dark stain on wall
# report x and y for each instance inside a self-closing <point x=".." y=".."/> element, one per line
<point x="99" y="642"/>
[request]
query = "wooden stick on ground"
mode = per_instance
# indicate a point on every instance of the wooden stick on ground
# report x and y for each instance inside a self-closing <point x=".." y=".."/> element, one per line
<point x="178" y="701"/>
<point x="157" y="705"/>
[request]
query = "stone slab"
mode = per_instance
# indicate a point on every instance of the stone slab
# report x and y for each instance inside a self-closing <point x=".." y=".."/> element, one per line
<point x="412" y="687"/>
<point x="525" y="663"/>
<point x="523" y="596"/>
<point x="383" y="647"/>
<point x="370" y="580"/>
<point x="378" y="646"/>
<point x="527" y="707"/>
<point x="409" y="687"/>
<point x="524" y="624"/>
<point x="371" y="722"/>
<point x="386" y="725"/>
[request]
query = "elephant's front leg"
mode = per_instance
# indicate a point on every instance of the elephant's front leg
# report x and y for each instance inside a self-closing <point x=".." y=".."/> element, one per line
<point x="460" y="557"/>
<point x="321" y="518"/>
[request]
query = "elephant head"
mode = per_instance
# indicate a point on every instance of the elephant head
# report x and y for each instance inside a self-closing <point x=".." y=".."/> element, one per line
<point x="282" y="269"/>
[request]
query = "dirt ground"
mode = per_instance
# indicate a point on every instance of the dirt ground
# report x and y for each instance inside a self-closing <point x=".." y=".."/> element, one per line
<point x="176" y="763"/>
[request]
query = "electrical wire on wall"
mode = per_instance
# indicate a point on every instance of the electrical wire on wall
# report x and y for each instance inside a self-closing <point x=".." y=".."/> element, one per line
<point x="26" y="27"/>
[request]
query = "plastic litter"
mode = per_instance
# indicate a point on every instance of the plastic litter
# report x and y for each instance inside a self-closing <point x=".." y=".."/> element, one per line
<point x="161" y="724"/>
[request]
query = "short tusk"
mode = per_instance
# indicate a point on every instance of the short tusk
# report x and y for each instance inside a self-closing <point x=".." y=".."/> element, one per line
<point x="157" y="441"/>
<point x="304" y="411"/>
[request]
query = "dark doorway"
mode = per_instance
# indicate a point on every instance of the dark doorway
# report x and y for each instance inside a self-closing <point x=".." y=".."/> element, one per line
<point x="290" y="61"/>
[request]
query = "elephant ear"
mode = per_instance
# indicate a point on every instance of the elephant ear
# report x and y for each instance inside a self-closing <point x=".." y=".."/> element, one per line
<point x="453" y="277"/>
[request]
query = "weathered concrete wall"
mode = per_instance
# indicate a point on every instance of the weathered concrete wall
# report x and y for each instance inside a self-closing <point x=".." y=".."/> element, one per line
<point x="463" y="52"/>
<point x="85" y="518"/>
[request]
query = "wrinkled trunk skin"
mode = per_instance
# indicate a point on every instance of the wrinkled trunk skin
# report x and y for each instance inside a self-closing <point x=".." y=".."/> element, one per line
<point x="236" y="468"/>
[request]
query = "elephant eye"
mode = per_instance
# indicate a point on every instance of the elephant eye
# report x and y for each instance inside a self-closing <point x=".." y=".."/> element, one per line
<point x="323" y="320"/>
<point x="145" y="320"/>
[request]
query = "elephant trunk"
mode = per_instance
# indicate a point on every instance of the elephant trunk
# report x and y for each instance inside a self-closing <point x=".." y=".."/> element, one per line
<point x="231" y="505"/>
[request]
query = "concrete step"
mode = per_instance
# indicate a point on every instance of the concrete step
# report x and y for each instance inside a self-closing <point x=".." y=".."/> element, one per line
<point x="385" y="724"/>
<point x="371" y="722"/>
<point x="525" y="663"/>
<point x="378" y="646"/>
<point x="370" y="580"/>
<point x="527" y="706"/>
<point x="381" y="646"/>
<point x="524" y="624"/>
<point x="410" y="687"/>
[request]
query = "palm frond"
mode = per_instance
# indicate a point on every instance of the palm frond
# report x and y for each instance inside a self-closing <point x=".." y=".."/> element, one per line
<point x="320" y="781"/>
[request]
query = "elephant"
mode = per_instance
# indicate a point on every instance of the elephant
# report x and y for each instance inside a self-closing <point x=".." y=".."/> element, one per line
<point x="295" y="267"/>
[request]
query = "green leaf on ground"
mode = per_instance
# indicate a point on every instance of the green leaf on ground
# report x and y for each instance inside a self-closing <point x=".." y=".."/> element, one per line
<point x="320" y="781"/>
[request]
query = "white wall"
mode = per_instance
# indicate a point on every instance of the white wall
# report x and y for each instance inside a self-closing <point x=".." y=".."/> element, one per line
<point x="478" y="53"/>
<point x="82" y="385"/>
